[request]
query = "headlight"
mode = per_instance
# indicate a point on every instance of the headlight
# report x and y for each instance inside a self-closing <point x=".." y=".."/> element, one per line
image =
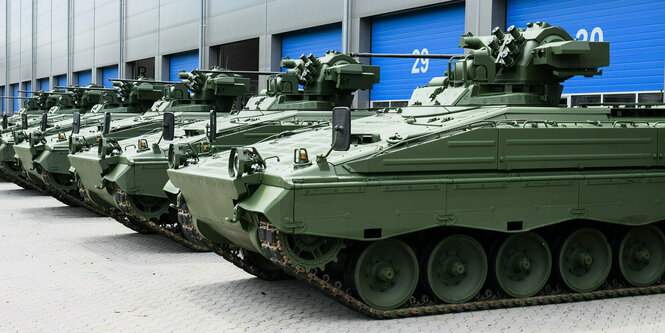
<point x="243" y="160"/>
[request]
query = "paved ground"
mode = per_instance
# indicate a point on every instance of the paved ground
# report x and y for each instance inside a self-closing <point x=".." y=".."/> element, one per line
<point x="64" y="269"/>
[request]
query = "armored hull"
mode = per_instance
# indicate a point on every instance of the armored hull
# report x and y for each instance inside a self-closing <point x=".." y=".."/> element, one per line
<point x="482" y="193"/>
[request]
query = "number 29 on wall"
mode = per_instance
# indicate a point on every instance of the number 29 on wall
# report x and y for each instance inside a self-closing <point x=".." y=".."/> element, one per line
<point x="420" y="65"/>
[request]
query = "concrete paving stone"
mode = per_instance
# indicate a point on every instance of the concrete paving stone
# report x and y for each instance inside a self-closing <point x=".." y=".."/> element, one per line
<point x="65" y="269"/>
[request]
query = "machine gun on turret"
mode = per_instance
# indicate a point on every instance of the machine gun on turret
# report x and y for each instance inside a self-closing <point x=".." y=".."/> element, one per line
<point x="219" y="89"/>
<point x="327" y="82"/>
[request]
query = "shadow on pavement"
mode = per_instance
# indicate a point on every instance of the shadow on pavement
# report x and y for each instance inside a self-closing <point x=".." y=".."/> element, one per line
<point x="134" y="243"/>
<point x="284" y="299"/>
<point x="60" y="211"/>
<point x="22" y="192"/>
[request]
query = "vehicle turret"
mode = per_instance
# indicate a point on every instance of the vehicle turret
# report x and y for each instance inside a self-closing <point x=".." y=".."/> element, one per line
<point x="520" y="67"/>
<point x="327" y="82"/>
<point x="217" y="89"/>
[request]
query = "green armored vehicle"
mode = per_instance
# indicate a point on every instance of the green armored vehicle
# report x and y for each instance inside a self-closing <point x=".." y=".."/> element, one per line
<point x="29" y="115"/>
<point x="483" y="192"/>
<point x="65" y="105"/>
<point x="132" y="179"/>
<point x="90" y="162"/>
<point x="125" y="105"/>
<point x="33" y="107"/>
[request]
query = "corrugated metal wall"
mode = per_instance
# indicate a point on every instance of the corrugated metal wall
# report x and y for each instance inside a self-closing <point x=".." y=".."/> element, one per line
<point x="634" y="28"/>
<point x="109" y="72"/>
<point x="314" y="40"/>
<point x="84" y="78"/>
<point x="432" y="30"/>
<point x="185" y="61"/>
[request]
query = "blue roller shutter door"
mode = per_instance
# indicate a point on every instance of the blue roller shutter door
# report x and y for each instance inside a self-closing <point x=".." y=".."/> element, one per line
<point x="432" y="30"/>
<point x="2" y="92"/>
<point x="85" y="78"/>
<point x="43" y="84"/>
<point x="312" y="40"/>
<point x="28" y="87"/>
<point x="109" y="72"/>
<point x="635" y="30"/>
<point x="185" y="61"/>
<point x="62" y="81"/>
<point x="15" y="94"/>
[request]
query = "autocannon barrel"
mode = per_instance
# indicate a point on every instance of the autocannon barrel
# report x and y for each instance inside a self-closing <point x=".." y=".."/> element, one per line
<point x="403" y="55"/>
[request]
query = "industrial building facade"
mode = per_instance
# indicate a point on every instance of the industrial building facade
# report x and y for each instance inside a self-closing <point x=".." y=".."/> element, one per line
<point x="48" y="43"/>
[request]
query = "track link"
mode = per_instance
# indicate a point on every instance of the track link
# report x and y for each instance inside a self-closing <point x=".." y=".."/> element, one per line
<point x="489" y="299"/>
<point x="232" y="255"/>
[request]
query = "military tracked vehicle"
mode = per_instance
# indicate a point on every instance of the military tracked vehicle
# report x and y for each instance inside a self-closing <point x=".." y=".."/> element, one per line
<point x="210" y="91"/>
<point x="132" y="178"/>
<point x="482" y="193"/>
<point x="63" y="105"/>
<point x="32" y="107"/>
<point x="29" y="115"/>
<point x="125" y="105"/>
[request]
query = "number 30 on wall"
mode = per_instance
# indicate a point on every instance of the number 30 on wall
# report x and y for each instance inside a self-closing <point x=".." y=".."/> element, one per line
<point x="596" y="35"/>
<point x="420" y="65"/>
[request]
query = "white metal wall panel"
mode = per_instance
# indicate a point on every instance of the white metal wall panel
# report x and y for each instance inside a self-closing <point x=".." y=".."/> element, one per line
<point x="634" y="28"/>
<point x="106" y="32"/>
<point x="43" y="38"/>
<point x="84" y="35"/>
<point x="227" y="15"/>
<point x="26" y="39"/>
<point x="14" y="57"/>
<point x="431" y="30"/>
<point x="58" y="37"/>
<point x="142" y="23"/>
<point x="179" y="25"/>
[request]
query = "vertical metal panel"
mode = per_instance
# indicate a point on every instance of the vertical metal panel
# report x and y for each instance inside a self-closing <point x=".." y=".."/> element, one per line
<point x="109" y="72"/>
<point x="106" y="26"/>
<point x="2" y="93"/>
<point x="26" y="40"/>
<point x="58" y="37"/>
<point x="313" y="40"/>
<point x="184" y="61"/>
<point x="634" y="28"/>
<point x="14" y="40"/>
<point x="431" y="30"/>
<point x="228" y="15"/>
<point x="83" y="35"/>
<point x="141" y="29"/>
<point x="178" y="26"/>
<point x="3" y="42"/>
<point x="84" y="78"/>
<point x="43" y="31"/>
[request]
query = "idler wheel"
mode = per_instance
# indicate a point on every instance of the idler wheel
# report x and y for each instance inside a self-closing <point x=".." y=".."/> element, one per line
<point x="310" y="251"/>
<point x="641" y="255"/>
<point x="584" y="260"/>
<point x="522" y="264"/>
<point x="456" y="269"/>
<point x="62" y="182"/>
<point x="385" y="274"/>
<point x="147" y="206"/>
